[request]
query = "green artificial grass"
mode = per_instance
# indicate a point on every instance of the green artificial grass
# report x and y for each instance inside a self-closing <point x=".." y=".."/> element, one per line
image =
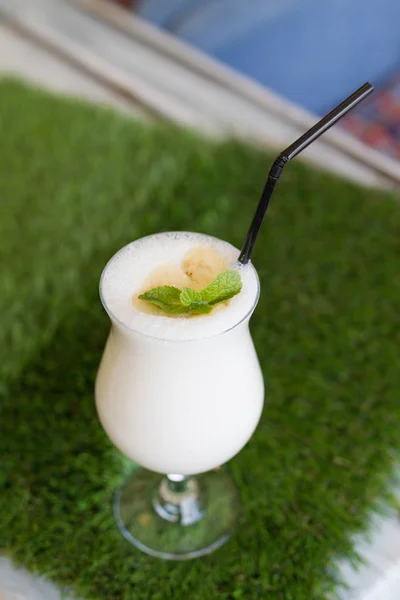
<point x="76" y="184"/>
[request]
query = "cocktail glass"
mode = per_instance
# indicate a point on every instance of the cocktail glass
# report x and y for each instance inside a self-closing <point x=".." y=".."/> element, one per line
<point x="180" y="409"/>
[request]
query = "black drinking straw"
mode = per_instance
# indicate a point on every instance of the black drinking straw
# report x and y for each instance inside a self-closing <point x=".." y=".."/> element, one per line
<point x="293" y="150"/>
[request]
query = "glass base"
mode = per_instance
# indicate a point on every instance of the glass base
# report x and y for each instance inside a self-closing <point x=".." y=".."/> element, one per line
<point x="176" y="517"/>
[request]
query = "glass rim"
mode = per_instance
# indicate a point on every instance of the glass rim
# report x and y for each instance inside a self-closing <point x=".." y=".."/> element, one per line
<point x="126" y="327"/>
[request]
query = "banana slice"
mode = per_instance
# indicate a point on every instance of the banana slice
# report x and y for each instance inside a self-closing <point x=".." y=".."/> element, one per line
<point x="202" y="265"/>
<point x="167" y="274"/>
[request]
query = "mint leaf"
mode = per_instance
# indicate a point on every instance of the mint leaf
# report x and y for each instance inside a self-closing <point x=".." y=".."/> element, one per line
<point x="225" y="286"/>
<point x="189" y="296"/>
<point x="191" y="302"/>
<point x="200" y="309"/>
<point x="166" y="297"/>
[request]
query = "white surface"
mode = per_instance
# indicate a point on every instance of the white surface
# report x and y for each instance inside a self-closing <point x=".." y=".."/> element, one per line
<point x="22" y="58"/>
<point x="18" y="584"/>
<point x="379" y="577"/>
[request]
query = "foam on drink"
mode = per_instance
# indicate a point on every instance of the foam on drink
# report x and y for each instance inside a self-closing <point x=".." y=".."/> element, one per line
<point x="127" y="271"/>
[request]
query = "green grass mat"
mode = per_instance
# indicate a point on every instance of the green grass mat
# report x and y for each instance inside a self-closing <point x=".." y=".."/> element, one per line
<point x="77" y="183"/>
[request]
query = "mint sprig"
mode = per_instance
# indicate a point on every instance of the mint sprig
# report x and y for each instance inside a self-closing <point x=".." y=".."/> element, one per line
<point x="191" y="302"/>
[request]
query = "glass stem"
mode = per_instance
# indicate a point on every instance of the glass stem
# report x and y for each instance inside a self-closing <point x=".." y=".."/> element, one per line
<point x="178" y="499"/>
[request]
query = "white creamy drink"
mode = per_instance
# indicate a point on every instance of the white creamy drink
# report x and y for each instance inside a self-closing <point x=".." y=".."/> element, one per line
<point x="177" y="394"/>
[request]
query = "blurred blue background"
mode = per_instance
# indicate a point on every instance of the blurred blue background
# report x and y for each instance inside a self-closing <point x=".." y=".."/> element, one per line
<point x="312" y="52"/>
